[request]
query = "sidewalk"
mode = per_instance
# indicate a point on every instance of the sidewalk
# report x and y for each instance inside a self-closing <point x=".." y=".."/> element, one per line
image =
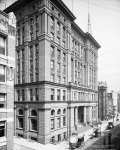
<point x="25" y="144"/>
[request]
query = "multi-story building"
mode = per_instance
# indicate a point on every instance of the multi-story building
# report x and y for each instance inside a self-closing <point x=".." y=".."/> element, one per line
<point x="118" y="102"/>
<point x="109" y="104"/>
<point x="7" y="63"/>
<point x="102" y="100"/>
<point x="56" y="71"/>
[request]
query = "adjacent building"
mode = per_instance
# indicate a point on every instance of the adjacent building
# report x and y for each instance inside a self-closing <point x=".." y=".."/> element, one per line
<point x="7" y="64"/>
<point x="56" y="72"/>
<point x="118" y="102"/>
<point x="102" y="100"/>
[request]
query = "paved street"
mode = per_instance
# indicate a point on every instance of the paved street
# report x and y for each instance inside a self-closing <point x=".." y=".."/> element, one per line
<point x="102" y="141"/>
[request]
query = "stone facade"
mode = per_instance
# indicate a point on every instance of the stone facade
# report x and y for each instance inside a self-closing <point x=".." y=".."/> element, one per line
<point x="56" y="72"/>
<point x="7" y="64"/>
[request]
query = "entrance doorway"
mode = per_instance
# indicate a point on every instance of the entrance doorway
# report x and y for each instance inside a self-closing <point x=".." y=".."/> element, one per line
<point x="81" y="114"/>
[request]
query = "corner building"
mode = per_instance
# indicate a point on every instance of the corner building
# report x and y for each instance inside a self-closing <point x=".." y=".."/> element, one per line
<point x="56" y="72"/>
<point x="7" y="65"/>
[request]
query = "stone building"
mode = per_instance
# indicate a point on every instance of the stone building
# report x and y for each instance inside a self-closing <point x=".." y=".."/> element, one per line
<point x="56" y="72"/>
<point x="118" y="102"/>
<point x="102" y="100"/>
<point x="7" y="64"/>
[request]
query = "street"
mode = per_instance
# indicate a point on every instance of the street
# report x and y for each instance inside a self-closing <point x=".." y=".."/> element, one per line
<point x="107" y="140"/>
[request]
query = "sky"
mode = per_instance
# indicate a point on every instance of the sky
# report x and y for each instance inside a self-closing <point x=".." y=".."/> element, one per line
<point x="105" y="27"/>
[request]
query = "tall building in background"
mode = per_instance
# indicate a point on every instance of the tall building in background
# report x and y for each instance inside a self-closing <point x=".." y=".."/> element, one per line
<point x="56" y="72"/>
<point x="118" y="102"/>
<point x="109" y="104"/>
<point x="102" y="100"/>
<point x="7" y="64"/>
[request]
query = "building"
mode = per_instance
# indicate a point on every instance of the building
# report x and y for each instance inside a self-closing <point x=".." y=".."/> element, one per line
<point x="7" y="64"/>
<point x="118" y="102"/>
<point x="109" y="108"/>
<point x="56" y="72"/>
<point x="102" y="100"/>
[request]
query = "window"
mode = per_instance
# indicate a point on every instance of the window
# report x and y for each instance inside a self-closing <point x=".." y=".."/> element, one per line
<point x="64" y="69"/>
<point x="58" y="67"/>
<point x="18" y="66"/>
<point x="2" y="129"/>
<point x="58" y="95"/>
<point x="52" y="119"/>
<point x="23" y="34"/>
<point x="20" y="119"/>
<point x="58" y="122"/>
<point x="37" y="62"/>
<point x="64" y="79"/>
<point x="52" y="51"/>
<point x="52" y="64"/>
<point x="33" y="120"/>
<point x="64" y="136"/>
<point x="52" y="124"/>
<point x="64" y="121"/>
<point x="18" y="95"/>
<point x="2" y="45"/>
<point x="36" y="94"/>
<point x="64" y="57"/>
<point x="23" y="65"/>
<point x="2" y="100"/>
<point x="52" y="94"/>
<point x="23" y="95"/>
<point x="52" y="24"/>
<point x="59" y="137"/>
<point x="52" y="140"/>
<point x="31" y="63"/>
<point x="31" y="28"/>
<point x="31" y="94"/>
<point x="64" y="111"/>
<point x="2" y="73"/>
<point x="64" y="117"/>
<point x="58" y="27"/>
<point x="64" y="95"/>
<point x="52" y="77"/>
<point x="58" y="79"/>
<point x="58" y="54"/>
<point x="52" y="112"/>
<point x="63" y="32"/>
<point x="37" y="25"/>
<point x="58" y="112"/>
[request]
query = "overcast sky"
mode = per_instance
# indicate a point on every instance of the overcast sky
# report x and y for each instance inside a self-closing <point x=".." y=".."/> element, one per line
<point x="105" y="24"/>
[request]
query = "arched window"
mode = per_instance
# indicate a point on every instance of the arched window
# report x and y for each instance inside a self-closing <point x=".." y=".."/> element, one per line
<point x="52" y="112"/>
<point x="20" y="119"/>
<point x="64" y="111"/>
<point x="33" y="120"/>
<point x="20" y="112"/>
<point x="52" y="120"/>
<point x="59" y="112"/>
<point x="64" y="117"/>
<point x="33" y="113"/>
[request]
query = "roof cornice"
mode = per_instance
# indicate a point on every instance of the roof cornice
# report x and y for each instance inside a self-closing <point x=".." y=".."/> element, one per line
<point x="89" y="36"/>
<point x="62" y="6"/>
